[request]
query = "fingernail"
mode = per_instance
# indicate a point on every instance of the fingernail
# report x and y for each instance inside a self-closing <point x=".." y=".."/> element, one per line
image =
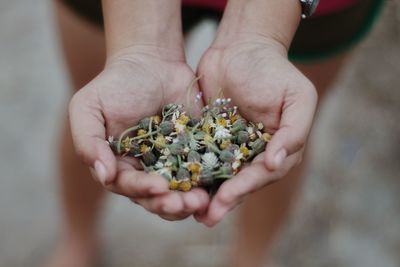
<point x="280" y="156"/>
<point x="100" y="171"/>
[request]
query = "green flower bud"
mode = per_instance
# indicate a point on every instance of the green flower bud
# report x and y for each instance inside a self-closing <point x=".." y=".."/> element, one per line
<point x="182" y="173"/>
<point x="173" y="160"/>
<point x="166" y="127"/>
<point x="227" y="156"/>
<point x="149" y="158"/>
<point x="258" y="146"/>
<point x="238" y="125"/>
<point x="144" y="123"/>
<point x="199" y="135"/>
<point x="193" y="121"/>
<point x="232" y="148"/>
<point x="242" y="137"/>
<point x="193" y="156"/>
<point x="176" y="149"/>
<point x="226" y="169"/>
<point x="135" y="149"/>
<point x="206" y="178"/>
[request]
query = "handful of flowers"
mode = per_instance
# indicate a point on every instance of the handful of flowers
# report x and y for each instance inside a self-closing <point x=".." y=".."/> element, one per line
<point x="192" y="152"/>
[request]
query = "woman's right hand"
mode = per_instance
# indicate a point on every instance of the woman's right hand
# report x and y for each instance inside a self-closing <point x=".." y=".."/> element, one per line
<point x="135" y="84"/>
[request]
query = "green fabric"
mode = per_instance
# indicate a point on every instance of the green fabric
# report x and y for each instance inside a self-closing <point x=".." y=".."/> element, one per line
<point x="362" y="33"/>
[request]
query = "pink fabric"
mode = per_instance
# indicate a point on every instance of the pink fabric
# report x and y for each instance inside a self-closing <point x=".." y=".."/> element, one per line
<point x="324" y="7"/>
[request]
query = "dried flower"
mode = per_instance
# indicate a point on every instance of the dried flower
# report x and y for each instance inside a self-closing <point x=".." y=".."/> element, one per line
<point x="173" y="184"/>
<point x="149" y="158"/>
<point x="183" y="119"/>
<point x="144" y="148"/>
<point x="209" y="160"/>
<point x="191" y="152"/>
<point x="193" y="156"/>
<point x="242" y="137"/>
<point x="185" y="185"/>
<point x="225" y="144"/>
<point x="144" y="123"/>
<point x="221" y="133"/>
<point x="266" y="137"/>
<point x="227" y="156"/>
<point x="156" y="119"/>
<point x="166" y="127"/>
<point x="182" y="174"/>
<point x="141" y="132"/>
<point x="244" y="150"/>
<point x="194" y="167"/>
<point x="160" y="142"/>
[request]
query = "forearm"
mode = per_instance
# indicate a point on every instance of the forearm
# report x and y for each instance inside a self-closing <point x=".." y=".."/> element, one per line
<point x="274" y="19"/>
<point x="142" y="23"/>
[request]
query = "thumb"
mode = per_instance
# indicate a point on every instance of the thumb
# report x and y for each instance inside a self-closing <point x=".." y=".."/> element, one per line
<point x="89" y="136"/>
<point x="291" y="136"/>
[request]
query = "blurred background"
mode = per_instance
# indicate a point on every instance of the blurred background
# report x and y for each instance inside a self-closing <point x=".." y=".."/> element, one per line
<point x="348" y="210"/>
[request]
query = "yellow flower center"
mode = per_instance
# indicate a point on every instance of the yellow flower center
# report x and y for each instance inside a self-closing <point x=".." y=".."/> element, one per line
<point x="156" y="119"/>
<point x="222" y="122"/>
<point x="244" y="150"/>
<point x="183" y="119"/>
<point x="160" y="142"/>
<point x="194" y="167"/>
<point x="141" y="132"/>
<point x="225" y="144"/>
<point x="173" y="184"/>
<point x="184" y="186"/>
<point x="144" y="148"/>
<point x="266" y="137"/>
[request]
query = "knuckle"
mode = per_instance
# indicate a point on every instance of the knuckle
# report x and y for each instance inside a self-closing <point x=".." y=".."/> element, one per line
<point x="227" y="196"/>
<point x="298" y="143"/>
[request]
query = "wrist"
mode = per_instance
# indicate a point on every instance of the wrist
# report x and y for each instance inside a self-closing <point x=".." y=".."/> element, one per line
<point x="147" y="25"/>
<point x="271" y="20"/>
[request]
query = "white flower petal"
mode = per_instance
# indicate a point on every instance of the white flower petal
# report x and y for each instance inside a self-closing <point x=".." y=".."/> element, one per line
<point x="209" y="160"/>
<point x="221" y="133"/>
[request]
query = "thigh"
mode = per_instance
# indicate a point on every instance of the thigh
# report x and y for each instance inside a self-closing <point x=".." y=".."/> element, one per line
<point x="83" y="45"/>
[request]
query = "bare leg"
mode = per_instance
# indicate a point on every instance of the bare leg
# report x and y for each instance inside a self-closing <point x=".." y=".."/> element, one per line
<point x="84" y="52"/>
<point x="262" y="214"/>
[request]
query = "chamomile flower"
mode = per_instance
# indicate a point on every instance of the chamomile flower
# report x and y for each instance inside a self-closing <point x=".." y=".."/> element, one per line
<point x="221" y="133"/>
<point x="238" y="155"/>
<point x="209" y="160"/>
<point x="236" y="165"/>
<point x="244" y="150"/>
<point x="179" y="128"/>
<point x="159" y="165"/>
<point x="165" y="172"/>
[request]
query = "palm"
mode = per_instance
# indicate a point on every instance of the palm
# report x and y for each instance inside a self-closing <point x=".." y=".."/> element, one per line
<point x="267" y="88"/>
<point x="130" y="91"/>
<point x="124" y="93"/>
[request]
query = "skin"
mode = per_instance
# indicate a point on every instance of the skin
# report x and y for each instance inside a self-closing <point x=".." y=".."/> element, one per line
<point x="145" y="70"/>
<point x="252" y="67"/>
<point x="256" y="229"/>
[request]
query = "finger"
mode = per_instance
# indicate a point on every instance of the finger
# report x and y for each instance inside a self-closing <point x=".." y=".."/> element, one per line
<point x="248" y="180"/>
<point x="169" y="205"/>
<point x="296" y="120"/>
<point x="195" y="201"/>
<point x="89" y="135"/>
<point x="132" y="183"/>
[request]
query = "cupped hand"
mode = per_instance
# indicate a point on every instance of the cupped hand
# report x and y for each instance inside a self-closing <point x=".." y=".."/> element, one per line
<point x="133" y="85"/>
<point x="256" y="74"/>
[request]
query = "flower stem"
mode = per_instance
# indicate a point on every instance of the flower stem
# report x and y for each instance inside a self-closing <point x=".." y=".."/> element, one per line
<point x="124" y="133"/>
<point x="145" y="135"/>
